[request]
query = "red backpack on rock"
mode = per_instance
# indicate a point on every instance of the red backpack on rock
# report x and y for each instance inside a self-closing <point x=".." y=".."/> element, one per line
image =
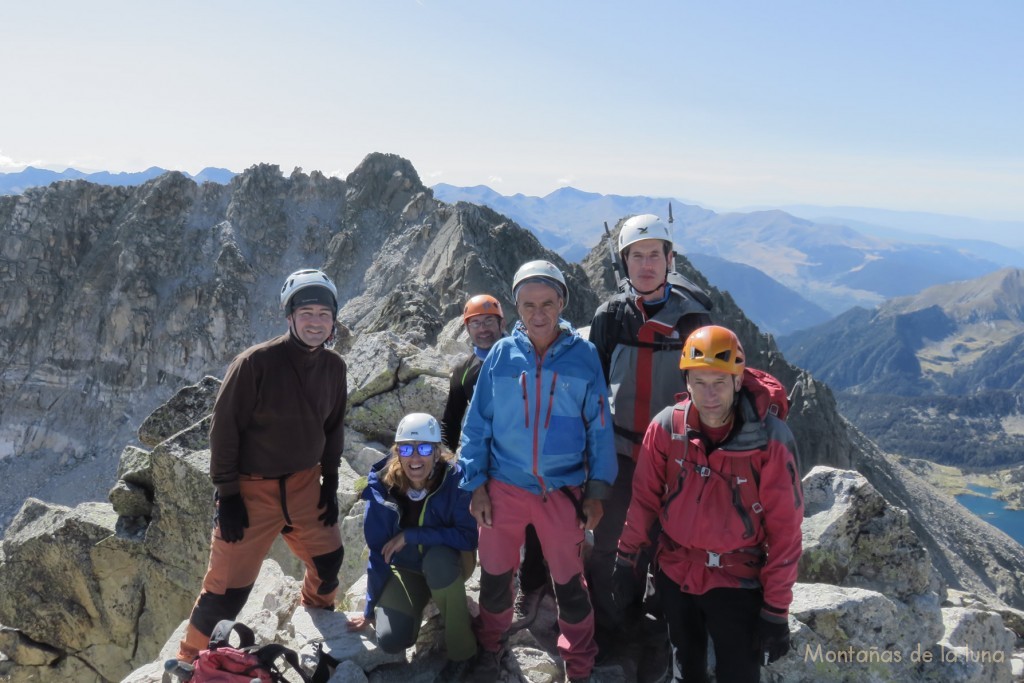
<point x="247" y="663"/>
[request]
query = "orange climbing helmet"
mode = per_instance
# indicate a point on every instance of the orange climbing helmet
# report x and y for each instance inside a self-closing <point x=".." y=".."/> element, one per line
<point x="713" y="347"/>
<point x="482" y="304"/>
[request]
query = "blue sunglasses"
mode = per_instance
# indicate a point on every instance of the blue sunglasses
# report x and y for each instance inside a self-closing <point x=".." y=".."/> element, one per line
<point x="425" y="449"/>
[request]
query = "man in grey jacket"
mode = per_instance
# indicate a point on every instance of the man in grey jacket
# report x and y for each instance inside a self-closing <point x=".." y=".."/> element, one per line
<point x="639" y="334"/>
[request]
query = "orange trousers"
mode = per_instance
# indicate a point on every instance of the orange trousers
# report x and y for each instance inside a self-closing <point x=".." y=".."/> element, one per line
<point x="274" y="506"/>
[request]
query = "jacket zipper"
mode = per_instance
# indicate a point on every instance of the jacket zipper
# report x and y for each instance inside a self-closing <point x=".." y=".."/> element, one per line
<point x="704" y="480"/>
<point x="526" y="401"/>
<point x="426" y="502"/>
<point x="795" y="481"/>
<point x="737" y="502"/>
<point x="536" y="428"/>
<point x="551" y="401"/>
<point x="680" y="478"/>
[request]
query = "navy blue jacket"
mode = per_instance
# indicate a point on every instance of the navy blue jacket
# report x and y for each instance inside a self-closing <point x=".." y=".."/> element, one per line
<point x="444" y="520"/>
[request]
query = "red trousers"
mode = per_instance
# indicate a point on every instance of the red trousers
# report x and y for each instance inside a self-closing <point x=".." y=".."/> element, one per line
<point x="561" y="539"/>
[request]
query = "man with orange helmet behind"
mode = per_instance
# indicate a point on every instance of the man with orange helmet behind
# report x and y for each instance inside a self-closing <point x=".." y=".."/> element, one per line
<point x="484" y="321"/>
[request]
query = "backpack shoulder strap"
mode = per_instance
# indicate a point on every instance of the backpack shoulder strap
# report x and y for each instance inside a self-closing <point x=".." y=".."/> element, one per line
<point x="270" y="653"/>
<point x="746" y="496"/>
<point x="699" y="295"/>
<point x="616" y="310"/>
<point x="221" y="635"/>
<point x="678" y="422"/>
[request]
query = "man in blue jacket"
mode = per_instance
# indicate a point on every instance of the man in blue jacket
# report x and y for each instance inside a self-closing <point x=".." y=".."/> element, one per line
<point x="538" y="448"/>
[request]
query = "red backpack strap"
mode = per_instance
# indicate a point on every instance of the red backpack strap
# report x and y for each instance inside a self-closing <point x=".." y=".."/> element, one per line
<point x="746" y="498"/>
<point x="678" y="425"/>
<point x="677" y="447"/>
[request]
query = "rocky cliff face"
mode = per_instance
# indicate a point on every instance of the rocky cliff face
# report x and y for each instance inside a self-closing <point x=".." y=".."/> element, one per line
<point x="111" y="298"/>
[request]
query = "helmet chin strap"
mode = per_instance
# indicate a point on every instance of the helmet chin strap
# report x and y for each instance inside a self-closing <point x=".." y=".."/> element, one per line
<point x="643" y="293"/>
<point x="328" y="343"/>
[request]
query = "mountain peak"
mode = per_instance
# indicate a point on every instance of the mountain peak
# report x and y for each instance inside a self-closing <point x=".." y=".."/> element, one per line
<point x="568" y="193"/>
<point x="996" y="295"/>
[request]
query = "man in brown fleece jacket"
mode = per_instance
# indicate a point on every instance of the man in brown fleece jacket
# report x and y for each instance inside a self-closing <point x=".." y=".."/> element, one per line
<point x="276" y="441"/>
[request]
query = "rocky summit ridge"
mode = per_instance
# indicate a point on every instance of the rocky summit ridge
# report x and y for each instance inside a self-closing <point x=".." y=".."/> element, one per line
<point x="111" y="298"/>
<point x="116" y="299"/>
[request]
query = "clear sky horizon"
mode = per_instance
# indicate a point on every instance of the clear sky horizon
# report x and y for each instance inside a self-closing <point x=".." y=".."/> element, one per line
<point x="913" y="106"/>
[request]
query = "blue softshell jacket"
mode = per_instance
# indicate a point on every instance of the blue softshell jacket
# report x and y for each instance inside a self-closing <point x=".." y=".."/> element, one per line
<point x="540" y="422"/>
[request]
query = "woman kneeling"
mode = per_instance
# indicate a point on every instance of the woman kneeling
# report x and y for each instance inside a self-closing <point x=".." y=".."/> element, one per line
<point x="422" y="541"/>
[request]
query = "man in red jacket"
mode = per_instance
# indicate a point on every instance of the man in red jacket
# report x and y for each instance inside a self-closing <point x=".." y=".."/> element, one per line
<point x="718" y="471"/>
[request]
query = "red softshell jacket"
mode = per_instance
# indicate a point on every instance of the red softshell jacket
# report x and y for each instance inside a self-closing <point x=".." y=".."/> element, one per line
<point x="696" y="492"/>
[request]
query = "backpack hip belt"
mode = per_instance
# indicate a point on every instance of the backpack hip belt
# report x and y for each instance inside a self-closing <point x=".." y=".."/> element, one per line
<point x="744" y="563"/>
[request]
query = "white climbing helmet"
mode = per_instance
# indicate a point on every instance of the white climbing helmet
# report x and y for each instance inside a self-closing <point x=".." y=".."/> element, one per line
<point x="418" y="427"/>
<point x="315" y="284"/>
<point x="643" y="227"/>
<point x="543" y="270"/>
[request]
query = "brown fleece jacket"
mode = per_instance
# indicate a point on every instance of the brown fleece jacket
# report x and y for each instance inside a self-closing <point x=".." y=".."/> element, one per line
<point x="280" y="410"/>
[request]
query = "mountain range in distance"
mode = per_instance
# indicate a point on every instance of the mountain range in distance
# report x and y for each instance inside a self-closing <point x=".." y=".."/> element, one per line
<point x="954" y="338"/>
<point x="18" y="182"/>
<point x="572" y="221"/>
<point x="786" y="271"/>
<point x="814" y="265"/>
<point x="937" y="376"/>
<point x="910" y="226"/>
<point x="775" y="308"/>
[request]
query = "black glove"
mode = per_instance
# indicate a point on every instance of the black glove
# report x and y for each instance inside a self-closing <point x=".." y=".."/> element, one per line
<point x="232" y="517"/>
<point x="623" y="582"/>
<point x="329" y="499"/>
<point x="772" y="639"/>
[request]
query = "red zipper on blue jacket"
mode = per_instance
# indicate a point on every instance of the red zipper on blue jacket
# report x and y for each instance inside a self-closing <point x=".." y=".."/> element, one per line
<point x="536" y="428"/>
<point x="551" y="401"/>
<point x="526" y="401"/>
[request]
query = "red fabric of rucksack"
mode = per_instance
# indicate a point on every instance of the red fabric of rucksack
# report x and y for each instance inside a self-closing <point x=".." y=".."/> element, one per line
<point x="225" y="663"/>
<point x="766" y="389"/>
<point x="229" y="665"/>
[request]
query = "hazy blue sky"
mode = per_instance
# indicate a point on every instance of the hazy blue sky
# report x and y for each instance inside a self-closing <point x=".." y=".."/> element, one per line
<point x="913" y="105"/>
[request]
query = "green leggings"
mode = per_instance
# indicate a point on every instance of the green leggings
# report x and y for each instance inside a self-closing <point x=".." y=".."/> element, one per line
<point x="399" y="612"/>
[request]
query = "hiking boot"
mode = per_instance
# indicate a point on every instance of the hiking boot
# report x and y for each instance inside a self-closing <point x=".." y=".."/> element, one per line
<point x="606" y="641"/>
<point x="655" y="663"/>
<point x="486" y="667"/>
<point x="176" y="667"/>
<point x="524" y="611"/>
<point x="454" y="672"/>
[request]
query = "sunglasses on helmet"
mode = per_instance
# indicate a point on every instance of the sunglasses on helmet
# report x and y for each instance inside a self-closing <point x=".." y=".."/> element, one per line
<point x="425" y="449"/>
